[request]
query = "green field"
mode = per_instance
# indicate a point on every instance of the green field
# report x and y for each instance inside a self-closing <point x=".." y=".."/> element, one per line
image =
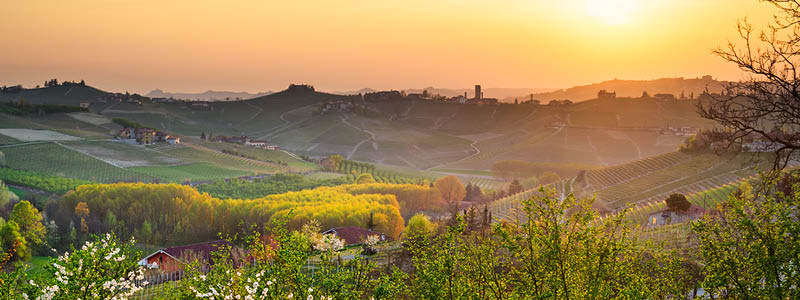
<point x="290" y="164"/>
<point x="109" y="162"/>
<point x="56" y="160"/>
<point x="190" y="172"/>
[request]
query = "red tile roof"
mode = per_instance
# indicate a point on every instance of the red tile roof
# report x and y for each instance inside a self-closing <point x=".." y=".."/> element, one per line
<point x="203" y="250"/>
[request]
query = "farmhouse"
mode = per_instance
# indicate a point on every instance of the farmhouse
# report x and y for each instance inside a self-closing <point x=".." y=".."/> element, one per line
<point x="255" y="143"/>
<point x="245" y="140"/>
<point x="670" y="216"/>
<point x="145" y="136"/>
<point x="603" y="94"/>
<point x="353" y="235"/>
<point x="172" y="259"/>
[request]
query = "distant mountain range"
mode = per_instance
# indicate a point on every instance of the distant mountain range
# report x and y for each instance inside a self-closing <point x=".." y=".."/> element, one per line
<point x="207" y="95"/>
<point x="498" y="93"/>
<point x="629" y="88"/>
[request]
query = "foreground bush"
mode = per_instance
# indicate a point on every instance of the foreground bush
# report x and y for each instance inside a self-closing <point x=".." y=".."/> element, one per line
<point x="101" y="269"/>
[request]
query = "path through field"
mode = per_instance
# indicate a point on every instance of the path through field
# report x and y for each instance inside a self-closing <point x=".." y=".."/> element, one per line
<point x="270" y="132"/>
<point x="253" y="116"/>
<point x="371" y="134"/>
<point x="90" y="155"/>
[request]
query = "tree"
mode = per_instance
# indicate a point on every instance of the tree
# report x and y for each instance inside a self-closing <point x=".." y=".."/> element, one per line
<point x="419" y="225"/>
<point x="2" y="159"/>
<point x="365" y="178"/>
<point x="766" y="105"/>
<point x="751" y="249"/>
<point x="645" y="94"/>
<point x="104" y="268"/>
<point x="146" y="232"/>
<point x="82" y="211"/>
<point x="10" y="237"/>
<point x="452" y="192"/>
<point x="6" y="197"/>
<point x="30" y="222"/>
<point x="371" y="221"/>
<point x="514" y="188"/>
<point x="333" y="162"/>
<point x="678" y="202"/>
<point x="203" y="135"/>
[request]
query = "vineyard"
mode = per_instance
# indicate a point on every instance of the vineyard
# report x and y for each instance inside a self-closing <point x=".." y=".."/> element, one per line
<point x="622" y="173"/>
<point x="707" y="199"/>
<point x="509" y="208"/>
<point x="38" y="181"/>
<point x="705" y="178"/>
<point x="653" y="179"/>
<point x="108" y="162"/>
<point x="282" y="161"/>
<point x="199" y="154"/>
<point x="354" y="168"/>
<point x="56" y="160"/>
<point x="188" y="172"/>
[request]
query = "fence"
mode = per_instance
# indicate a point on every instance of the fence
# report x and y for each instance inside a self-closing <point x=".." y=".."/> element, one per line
<point x="158" y="285"/>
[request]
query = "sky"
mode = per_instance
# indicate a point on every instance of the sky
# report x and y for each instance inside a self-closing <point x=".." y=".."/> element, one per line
<point x="260" y="45"/>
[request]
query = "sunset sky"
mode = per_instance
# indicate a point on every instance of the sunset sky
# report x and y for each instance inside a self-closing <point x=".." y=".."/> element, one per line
<point x="259" y="45"/>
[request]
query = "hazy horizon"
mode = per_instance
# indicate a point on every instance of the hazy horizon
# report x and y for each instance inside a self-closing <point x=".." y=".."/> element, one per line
<point x="253" y="46"/>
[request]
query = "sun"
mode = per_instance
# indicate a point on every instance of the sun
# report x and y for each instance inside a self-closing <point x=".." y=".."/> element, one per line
<point x="612" y="12"/>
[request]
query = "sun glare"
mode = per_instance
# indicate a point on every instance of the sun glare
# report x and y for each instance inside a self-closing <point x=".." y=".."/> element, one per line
<point x="613" y="12"/>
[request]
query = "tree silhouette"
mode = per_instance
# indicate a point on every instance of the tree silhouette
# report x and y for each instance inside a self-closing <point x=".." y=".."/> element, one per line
<point x="765" y="105"/>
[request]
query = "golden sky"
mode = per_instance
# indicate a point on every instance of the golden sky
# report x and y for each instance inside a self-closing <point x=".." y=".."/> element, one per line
<point x="258" y="45"/>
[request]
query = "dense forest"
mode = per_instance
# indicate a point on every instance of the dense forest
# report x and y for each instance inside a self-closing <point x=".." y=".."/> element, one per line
<point x="172" y="214"/>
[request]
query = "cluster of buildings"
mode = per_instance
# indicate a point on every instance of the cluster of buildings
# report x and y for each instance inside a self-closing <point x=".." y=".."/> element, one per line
<point x="460" y="99"/>
<point x="760" y="143"/>
<point x="337" y="106"/>
<point x="174" y="259"/>
<point x="145" y="136"/>
<point x="245" y="140"/>
<point x="680" y="131"/>
<point x="605" y="95"/>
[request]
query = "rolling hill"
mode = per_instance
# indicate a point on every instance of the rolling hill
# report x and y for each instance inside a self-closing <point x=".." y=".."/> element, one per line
<point x="630" y="88"/>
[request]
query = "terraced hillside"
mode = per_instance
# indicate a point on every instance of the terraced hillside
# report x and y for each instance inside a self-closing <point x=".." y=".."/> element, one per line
<point x="707" y="199"/>
<point x="655" y="178"/>
<point x="705" y="178"/>
<point x="509" y="209"/>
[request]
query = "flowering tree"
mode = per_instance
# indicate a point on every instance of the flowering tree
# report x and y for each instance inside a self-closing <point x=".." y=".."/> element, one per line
<point x="369" y="244"/>
<point x="279" y="270"/>
<point x="101" y="269"/>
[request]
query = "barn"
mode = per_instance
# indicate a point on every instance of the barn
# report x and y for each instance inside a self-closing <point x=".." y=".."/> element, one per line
<point x="171" y="259"/>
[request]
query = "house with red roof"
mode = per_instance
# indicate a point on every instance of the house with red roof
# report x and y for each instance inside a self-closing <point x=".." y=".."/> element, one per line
<point x="172" y="259"/>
